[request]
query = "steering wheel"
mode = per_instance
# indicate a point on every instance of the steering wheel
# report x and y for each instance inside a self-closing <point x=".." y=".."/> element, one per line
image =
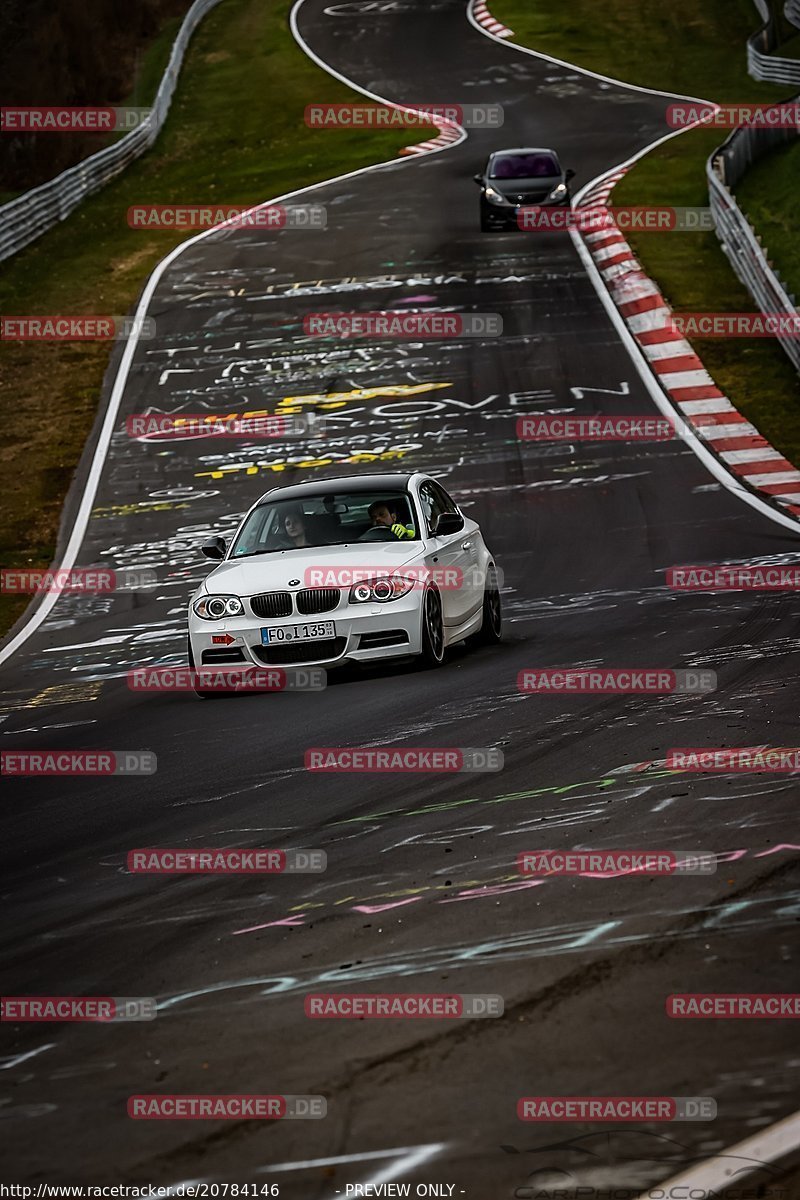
<point x="378" y="533"/>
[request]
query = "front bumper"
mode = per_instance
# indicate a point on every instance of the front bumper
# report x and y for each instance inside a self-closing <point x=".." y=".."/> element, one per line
<point x="506" y="214"/>
<point x="363" y="633"/>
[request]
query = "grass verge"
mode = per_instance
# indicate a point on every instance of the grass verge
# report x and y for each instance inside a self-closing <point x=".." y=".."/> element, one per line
<point x="683" y="46"/>
<point x="768" y="197"/>
<point x="678" y="48"/>
<point x="235" y="134"/>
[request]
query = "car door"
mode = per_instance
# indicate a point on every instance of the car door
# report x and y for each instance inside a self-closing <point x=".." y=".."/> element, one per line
<point x="449" y="558"/>
<point x="472" y="546"/>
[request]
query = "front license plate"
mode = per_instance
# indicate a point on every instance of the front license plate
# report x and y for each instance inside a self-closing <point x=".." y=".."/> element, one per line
<point x="314" y="631"/>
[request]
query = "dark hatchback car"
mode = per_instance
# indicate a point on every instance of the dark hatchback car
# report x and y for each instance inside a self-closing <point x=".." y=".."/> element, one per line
<point x="514" y="178"/>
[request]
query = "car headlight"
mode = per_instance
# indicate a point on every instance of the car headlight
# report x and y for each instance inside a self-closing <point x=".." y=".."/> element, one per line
<point x="559" y="192"/>
<point x="493" y="195"/>
<point x="214" y="608"/>
<point x="384" y="589"/>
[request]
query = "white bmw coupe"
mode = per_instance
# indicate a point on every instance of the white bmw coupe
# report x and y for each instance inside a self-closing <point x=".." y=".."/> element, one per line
<point x="355" y="569"/>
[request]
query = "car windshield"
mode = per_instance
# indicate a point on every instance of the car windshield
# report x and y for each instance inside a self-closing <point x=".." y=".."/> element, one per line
<point x="325" y="519"/>
<point x="524" y="166"/>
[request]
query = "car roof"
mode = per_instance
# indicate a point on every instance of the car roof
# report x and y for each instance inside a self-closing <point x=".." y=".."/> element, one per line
<point x="525" y="150"/>
<point x="352" y="483"/>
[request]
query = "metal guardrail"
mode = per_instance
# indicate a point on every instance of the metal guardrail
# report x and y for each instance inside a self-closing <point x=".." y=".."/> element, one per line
<point x="791" y="10"/>
<point x="27" y="217"/>
<point x="724" y="169"/>
<point x="762" y="62"/>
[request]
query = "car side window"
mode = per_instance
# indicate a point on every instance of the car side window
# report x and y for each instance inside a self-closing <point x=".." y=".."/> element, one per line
<point x="431" y="505"/>
<point x="448" y="505"/>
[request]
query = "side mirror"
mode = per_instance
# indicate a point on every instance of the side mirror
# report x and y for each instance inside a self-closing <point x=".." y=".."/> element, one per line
<point x="569" y="174"/>
<point x="448" y="523"/>
<point x="214" y="547"/>
<point x="478" y="178"/>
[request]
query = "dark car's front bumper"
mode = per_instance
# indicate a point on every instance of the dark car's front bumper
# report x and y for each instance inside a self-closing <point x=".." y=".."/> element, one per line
<point x="506" y="214"/>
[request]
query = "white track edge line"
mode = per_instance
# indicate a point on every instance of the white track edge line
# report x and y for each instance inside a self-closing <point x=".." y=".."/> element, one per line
<point x="634" y="87"/>
<point x="419" y="1155"/>
<point x="770" y="1145"/>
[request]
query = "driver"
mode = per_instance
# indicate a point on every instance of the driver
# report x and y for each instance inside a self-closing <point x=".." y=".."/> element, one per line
<point x="382" y="516"/>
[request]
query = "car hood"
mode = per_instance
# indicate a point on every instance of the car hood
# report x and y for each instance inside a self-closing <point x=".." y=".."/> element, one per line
<point x="540" y="187"/>
<point x="273" y="572"/>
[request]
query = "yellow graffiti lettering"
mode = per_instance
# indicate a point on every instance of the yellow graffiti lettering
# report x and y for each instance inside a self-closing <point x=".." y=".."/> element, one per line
<point x="127" y="510"/>
<point x="330" y="400"/>
<point x="341" y="399"/>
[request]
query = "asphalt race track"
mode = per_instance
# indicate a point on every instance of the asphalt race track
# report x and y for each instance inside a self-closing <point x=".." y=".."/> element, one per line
<point x="421" y="892"/>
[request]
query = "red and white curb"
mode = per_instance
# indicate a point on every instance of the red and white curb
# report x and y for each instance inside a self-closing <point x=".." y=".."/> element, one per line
<point x="737" y="444"/>
<point x="448" y="133"/>
<point x="484" y="18"/>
